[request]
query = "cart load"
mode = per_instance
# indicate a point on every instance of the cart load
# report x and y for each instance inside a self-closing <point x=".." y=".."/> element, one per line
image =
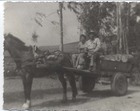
<point x="116" y="63"/>
<point x="117" y="57"/>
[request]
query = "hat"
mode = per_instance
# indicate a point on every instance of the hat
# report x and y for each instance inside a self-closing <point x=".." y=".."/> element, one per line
<point x="82" y="35"/>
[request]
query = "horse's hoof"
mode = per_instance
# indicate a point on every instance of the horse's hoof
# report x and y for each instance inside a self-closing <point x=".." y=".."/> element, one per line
<point x="26" y="106"/>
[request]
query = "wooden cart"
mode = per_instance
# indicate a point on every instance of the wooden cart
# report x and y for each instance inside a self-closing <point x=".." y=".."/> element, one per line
<point x="116" y="71"/>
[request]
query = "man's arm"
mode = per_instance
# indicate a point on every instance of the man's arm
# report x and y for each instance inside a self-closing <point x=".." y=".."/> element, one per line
<point x="98" y="45"/>
<point x="78" y="48"/>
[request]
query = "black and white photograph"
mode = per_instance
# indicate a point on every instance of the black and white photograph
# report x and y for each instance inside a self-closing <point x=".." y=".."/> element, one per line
<point x="71" y="56"/>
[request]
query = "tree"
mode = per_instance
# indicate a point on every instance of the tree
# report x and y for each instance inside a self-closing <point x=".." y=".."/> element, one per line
<point x="95" y="16"/>
<point x="98" y="17"/>
<point x="136" y="24"/>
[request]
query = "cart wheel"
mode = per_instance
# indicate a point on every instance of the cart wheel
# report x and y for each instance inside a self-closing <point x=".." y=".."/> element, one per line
<point x="86" y="84"/>
<point x="119" y="84"/>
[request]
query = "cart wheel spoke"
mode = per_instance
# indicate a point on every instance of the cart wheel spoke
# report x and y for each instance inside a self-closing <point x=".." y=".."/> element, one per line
<point x="119" y="84"/>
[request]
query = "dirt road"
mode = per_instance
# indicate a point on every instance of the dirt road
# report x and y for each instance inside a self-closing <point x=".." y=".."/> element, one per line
<point x="47" y="94"/>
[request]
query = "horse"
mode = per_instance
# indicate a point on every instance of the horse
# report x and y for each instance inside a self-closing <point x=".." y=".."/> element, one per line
<point x="26" y="66"/>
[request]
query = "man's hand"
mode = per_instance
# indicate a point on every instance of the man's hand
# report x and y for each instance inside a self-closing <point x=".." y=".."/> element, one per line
<point x="83" y="50"/>
<point x="92" y="51"/>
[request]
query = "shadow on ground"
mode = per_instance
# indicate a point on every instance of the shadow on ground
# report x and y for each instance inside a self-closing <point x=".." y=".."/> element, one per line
<point x="40" y="94"/>
<point x="105" y="93"/>
<point x="58" y="103"/>
<point x="82" y="98"/>
<point x="36" y="94"/>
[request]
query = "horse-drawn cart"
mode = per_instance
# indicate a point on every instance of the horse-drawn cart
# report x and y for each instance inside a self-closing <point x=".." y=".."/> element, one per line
<point x="28" y="66"/>
<point x="116" y="71"/>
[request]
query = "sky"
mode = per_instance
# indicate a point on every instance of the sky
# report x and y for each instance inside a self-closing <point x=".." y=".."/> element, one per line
<point x="19" y="20"/>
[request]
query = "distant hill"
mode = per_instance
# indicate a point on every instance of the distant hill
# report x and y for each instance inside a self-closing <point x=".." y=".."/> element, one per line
<point x="70" y="47"/>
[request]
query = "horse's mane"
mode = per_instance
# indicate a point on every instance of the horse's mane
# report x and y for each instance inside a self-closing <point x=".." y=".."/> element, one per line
<point x="14" y="41"/>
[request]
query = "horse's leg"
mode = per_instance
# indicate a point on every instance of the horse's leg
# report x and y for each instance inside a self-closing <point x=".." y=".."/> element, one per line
<point x="64" y="85"/>
<point x="24" y="86"/>
<point x="27" y="79"/>
<point x="73" y="86"/>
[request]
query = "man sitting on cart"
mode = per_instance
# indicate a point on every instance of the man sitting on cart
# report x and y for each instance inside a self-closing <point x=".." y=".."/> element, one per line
<point x="79" y="58"/>
<point x="93" y="46"/>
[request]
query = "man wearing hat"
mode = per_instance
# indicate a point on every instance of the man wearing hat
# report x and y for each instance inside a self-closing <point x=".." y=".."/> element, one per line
<point x="93" y="46"/>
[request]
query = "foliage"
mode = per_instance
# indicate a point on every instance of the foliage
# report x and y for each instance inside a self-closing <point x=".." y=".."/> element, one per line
<point x="101" y="17"/>
<point x="96" y="16"/>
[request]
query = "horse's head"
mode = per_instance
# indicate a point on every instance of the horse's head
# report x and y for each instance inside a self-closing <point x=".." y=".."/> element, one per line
<point x="13" y="42"/>
<point x="16" y="48"/>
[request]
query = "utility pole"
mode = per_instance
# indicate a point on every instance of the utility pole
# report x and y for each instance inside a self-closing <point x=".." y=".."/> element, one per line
<point x="61" y="25"/>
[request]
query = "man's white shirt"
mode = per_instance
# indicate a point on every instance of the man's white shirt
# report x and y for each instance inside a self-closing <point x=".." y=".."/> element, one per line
<point x="93" y="45"/>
